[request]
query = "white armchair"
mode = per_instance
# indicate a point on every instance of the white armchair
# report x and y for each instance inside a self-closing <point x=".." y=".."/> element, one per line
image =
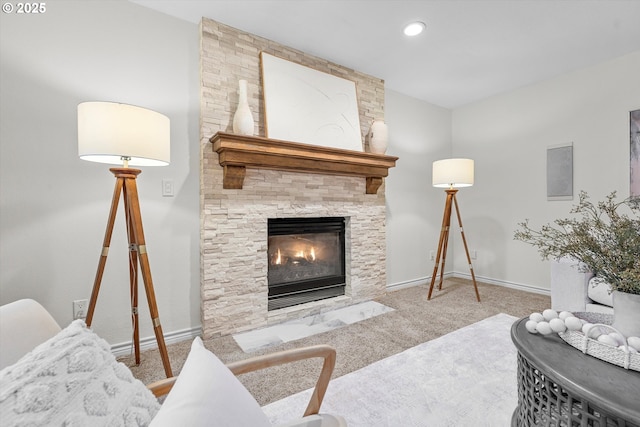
<point x="23" y="325"/>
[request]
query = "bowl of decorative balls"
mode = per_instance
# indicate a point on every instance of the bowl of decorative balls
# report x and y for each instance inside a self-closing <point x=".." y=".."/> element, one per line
<point x="590" y="333"/>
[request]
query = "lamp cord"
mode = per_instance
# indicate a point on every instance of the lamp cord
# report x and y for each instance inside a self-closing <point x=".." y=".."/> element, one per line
<point x="132" y="249"/>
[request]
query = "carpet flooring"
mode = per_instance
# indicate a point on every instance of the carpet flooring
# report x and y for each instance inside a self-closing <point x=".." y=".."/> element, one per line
<point x="466" y="378"/>
<point x="413" y="321"/>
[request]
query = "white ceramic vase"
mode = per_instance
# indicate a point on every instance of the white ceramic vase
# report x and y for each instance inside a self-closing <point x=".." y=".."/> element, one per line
<point x="243" y="119"/>
<point x="378" y="137"/>
<point x="626" y="313"/>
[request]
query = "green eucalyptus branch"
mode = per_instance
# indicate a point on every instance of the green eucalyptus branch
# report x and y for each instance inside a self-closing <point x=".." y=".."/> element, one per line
<point x="606" y="241"/>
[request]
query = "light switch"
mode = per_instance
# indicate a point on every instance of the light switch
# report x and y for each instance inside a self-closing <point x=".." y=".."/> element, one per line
<point x="167" y="188"/>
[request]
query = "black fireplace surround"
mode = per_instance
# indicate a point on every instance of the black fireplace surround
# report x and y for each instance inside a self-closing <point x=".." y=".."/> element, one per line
<point x="306" y="260"/>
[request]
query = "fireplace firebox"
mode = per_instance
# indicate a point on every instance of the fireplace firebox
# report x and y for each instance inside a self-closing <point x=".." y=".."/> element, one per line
<point x="306" y="260"/>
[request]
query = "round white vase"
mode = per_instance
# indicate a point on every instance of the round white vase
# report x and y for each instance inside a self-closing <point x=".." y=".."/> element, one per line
<point x="378" y="137"/>
<point x="626" y="313"/>
<point x="243" y="119"/>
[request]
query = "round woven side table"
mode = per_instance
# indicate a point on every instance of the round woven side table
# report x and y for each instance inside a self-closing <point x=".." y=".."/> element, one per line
<point x="558" y="385"/>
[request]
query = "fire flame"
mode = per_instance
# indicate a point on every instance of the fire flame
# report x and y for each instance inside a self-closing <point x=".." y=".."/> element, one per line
<point x="308" y="254"/>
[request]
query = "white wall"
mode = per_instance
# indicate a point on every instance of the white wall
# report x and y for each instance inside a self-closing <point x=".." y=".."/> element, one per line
<point x="54" y="206"/>
<point x="419" y="133"/>
<point x="508" y="136"/>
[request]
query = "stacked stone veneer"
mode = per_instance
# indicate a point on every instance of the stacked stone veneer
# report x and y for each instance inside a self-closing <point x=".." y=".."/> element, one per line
<point x="234" y="222"/>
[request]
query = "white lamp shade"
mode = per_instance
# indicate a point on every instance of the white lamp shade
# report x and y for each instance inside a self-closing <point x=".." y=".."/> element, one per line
<point x="453" y="173"/>
<point x="109" y="131"/>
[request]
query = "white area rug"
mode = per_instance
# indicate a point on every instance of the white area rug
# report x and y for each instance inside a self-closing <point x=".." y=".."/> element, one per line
<point x="465" y="378"/>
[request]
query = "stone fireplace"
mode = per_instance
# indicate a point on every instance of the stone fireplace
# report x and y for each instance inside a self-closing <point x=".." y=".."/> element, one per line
<point x="239" y="203"/>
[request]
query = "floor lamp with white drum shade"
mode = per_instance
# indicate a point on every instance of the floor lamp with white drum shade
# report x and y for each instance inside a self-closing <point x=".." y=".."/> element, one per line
<point x="451" y="174"/>
<point x="126" y="135"/>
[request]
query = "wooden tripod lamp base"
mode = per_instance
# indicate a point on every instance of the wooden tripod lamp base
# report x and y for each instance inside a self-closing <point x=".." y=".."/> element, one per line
<point x="126" y="186"/>
<point x="444" y="241"/>
<point x="451" y="173"/>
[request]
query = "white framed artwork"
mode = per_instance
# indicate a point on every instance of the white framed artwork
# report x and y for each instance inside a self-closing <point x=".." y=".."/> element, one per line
<point x="309" y="106"/>
<point x="560" y="172"/>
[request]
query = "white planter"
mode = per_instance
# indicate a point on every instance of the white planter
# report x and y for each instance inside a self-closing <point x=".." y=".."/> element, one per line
<point x="243" y="119"/>
<point x="626" y="313"/>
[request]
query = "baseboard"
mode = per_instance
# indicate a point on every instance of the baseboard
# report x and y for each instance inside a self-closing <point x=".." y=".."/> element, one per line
<point x="506" y="284"/>
<point x="415" y="282"/>
<point x="425" y="280"/>
<point x="148" y="343"/>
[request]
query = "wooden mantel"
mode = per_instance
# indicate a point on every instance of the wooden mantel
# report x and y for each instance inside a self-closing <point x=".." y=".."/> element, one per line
<point x="238" y="152"/>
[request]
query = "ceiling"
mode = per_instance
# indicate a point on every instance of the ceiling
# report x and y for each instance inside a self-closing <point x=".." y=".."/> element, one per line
<point x="470" y="50"/>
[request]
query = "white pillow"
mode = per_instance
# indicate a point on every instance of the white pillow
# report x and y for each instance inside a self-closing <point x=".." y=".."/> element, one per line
<point x="600" y="292"/>
<point x="72" y="379"/>
<point x="207" y="393"/>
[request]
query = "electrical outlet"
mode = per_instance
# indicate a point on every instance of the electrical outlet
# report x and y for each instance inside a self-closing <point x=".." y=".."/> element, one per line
<point x="474" y="254"/>
<point x="80" y="307"/>
<point x="432" y="255"/>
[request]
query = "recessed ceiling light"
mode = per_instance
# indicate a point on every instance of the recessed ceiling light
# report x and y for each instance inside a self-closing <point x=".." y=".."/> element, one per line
<point x="414" y="29"/>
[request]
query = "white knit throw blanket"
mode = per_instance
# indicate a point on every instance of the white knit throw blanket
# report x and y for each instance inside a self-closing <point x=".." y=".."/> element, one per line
<point x="73" y="380"/>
